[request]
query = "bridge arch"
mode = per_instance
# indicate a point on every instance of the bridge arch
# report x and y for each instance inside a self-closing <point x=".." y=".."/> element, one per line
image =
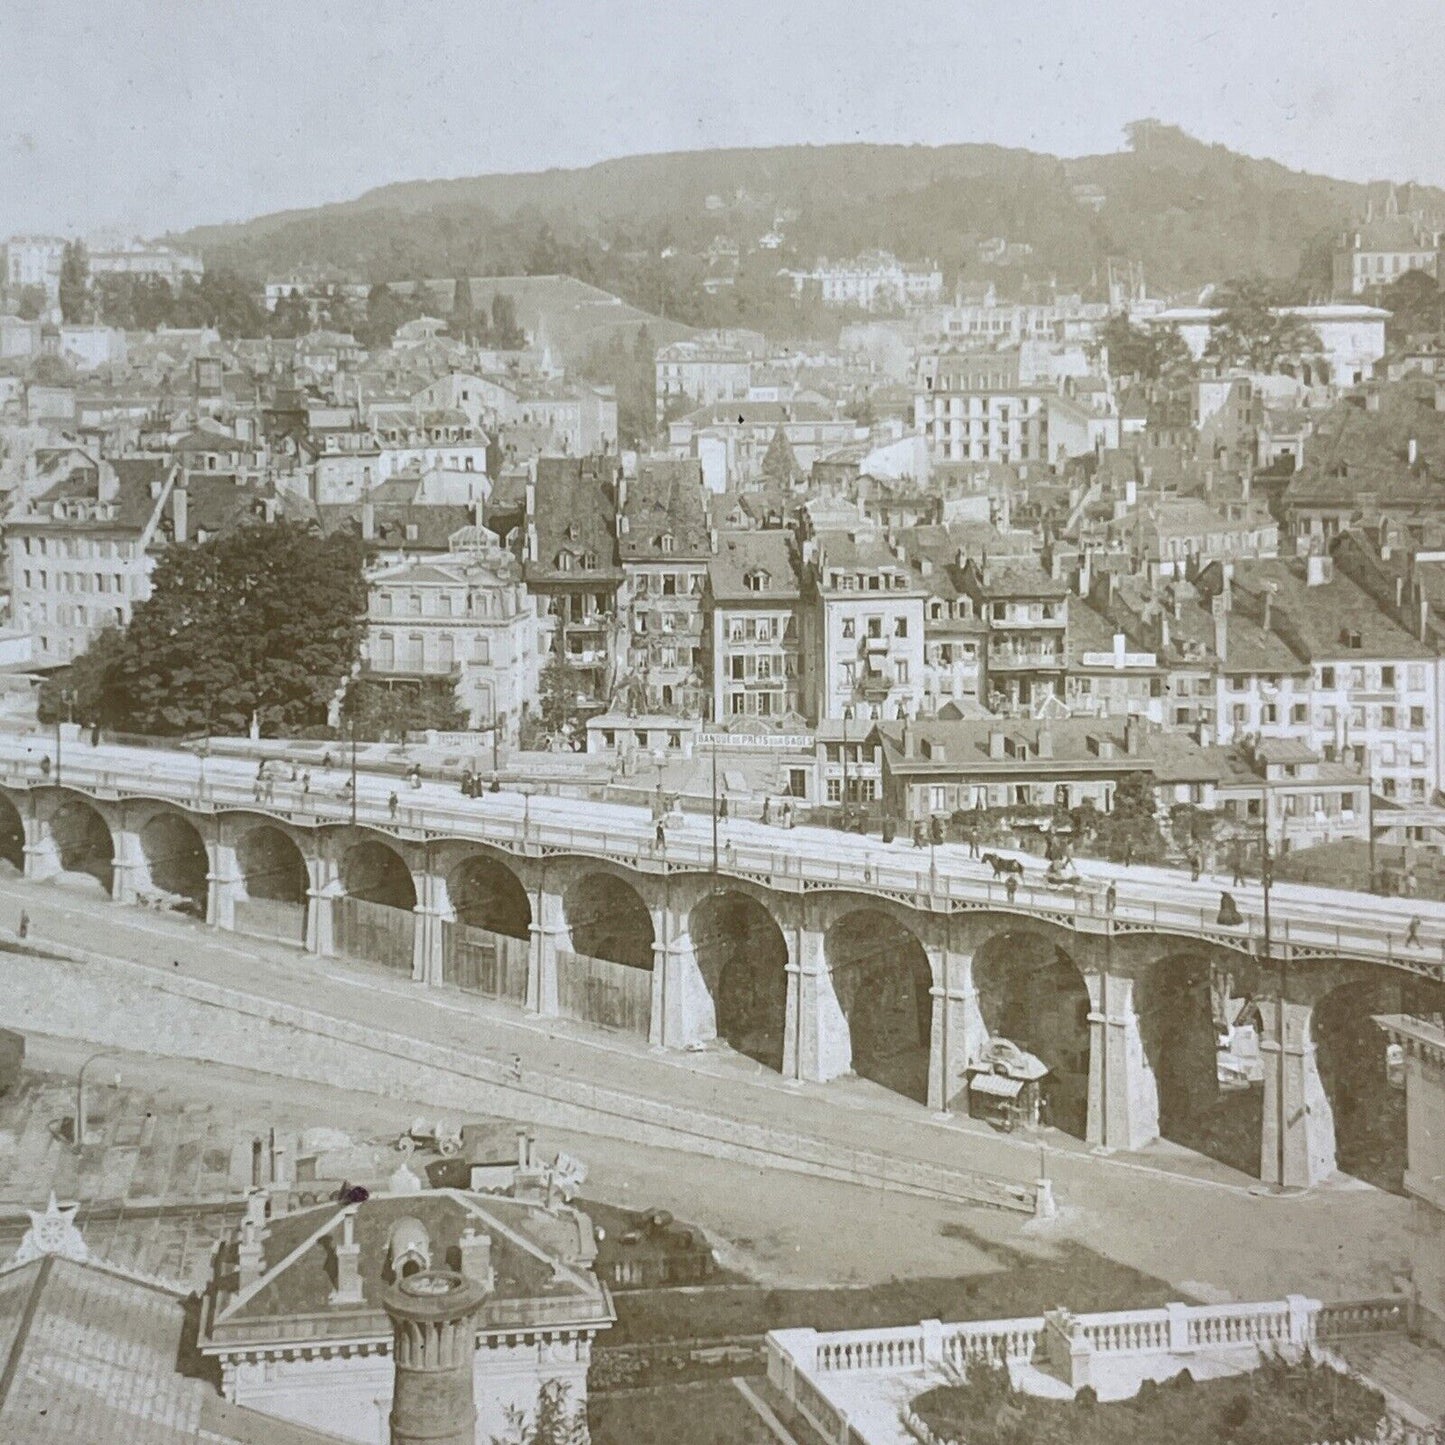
<point x="1031" y="991"/>
<point x="274" y="882"/>
<point x="84" y="844"/>
<point x="375" y="917"/>
<point x="742" y="954"/>
<point x="606" y="918"/>
<point x="1367" y="1102"/>
<point x="175" y="858"/>
<point x="12" y="833"/>
<point x="486" y="893"/>
<point x="883" y="981"/>
<point x="1198" y="1018"/>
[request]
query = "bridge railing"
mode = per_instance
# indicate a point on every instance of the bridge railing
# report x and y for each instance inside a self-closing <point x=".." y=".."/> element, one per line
<point x="1380" y="937"/>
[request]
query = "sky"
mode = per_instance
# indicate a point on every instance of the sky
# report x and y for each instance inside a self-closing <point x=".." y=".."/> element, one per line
<point x="153" y="115"/>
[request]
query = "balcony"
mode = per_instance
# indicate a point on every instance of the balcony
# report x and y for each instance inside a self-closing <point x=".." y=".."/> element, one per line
<point x="1020" y="661"/>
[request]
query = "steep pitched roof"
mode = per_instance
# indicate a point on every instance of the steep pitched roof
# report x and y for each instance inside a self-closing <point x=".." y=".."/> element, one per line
<point x="576" y="511"/>
<point x="665" y="499"/>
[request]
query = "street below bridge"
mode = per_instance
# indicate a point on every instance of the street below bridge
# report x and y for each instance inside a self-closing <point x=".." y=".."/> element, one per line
<point x="1185" y="1213"/>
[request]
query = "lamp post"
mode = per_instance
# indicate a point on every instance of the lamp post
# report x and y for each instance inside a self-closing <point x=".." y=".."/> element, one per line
<point x="714" y="805"/>
<point x="1370" y="814"/>
<point x="1266" y="878"/>
<point x="80" y="1096"/>
<point x="353" y="770"/>
<point x="67" y="699"/>
<point x="847" y="717"/>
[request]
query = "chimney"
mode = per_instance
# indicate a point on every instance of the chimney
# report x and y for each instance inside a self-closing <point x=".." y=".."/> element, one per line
<point x="910" y="740"/>
<point x="180" y="509"/>
<point x="1045" y="745"/>
<point x="1163" y="631"/>
<point x="1318" y="569"/>
<point x="995" y="743"/>
<point x="1220" y="611"/>
<point x="523" y="1161"/>
<point x="1268" y="617"/>
<point x="348" y="1259"/>
<point x="1120" y="642"/>
<point x="368" y="521"/>
<point x="1424" y="616"/>
<point x="1133" y="739"/>
<point x="434" y="1344"/>
<point x="249" y="1252"/>
<point x="1413" y="451"/>
<point x="474" y="1252"/>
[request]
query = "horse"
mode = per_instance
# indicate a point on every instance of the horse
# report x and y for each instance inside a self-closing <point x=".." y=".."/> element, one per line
<point x="1002" y="866"/>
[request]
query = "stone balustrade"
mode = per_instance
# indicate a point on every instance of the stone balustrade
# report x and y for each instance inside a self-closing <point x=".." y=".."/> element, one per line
<point x="802" y="1362"/>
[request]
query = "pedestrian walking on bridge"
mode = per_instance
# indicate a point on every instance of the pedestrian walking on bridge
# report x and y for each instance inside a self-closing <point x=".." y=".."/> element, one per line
<point x="392" y="804"/>
<point x="1412" y="933"/>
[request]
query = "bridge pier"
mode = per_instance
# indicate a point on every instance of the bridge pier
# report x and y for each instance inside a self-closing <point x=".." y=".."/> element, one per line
<point x="1123" y="1092"/>
<point x="433" y="911"/>
<point x="129" y="871"/>
<point x="817" y="1043"/>
<point x="958" y="1033"/>
<point x="683" y="1011"/>
<point x="1309" y="1122"/>
<point x="548" y="928"/>
<point x="42" y="857"/>
<point x="323" y="888"/>
<point x="223" y="884"/>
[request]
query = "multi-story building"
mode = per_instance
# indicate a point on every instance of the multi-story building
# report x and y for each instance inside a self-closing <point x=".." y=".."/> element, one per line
<point x="972" y="407"/>
<point x="731" y="440"/>
<point x="81" y="554"/>
<point x="862" y="616"/>
<point x="665" y="552"/>
<point x="1352" y="338"/>
<point x="583" y="419"/>
<point x="34" y="261"/>
<point x="466" y="616"/>
<point x="753" y="627"/>
<point x="701" y="372"/>
<point x="874" y="281"/>
<point x="1359" y="687"/>
<point x="571" y="566"/>
<point x="1383" y="247"/>
<point x="1026" y="612"/>
<point x="136" y="258"/>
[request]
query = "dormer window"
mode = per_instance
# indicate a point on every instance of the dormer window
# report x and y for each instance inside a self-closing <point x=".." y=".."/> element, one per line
<point x="589" y="561"/>
<point x="665" y="542"/>
<point x="756" y="580"/>
<point x="564" y="561"/>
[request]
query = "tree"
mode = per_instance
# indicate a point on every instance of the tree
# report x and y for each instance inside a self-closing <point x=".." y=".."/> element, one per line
<point x="463" y="318"/>
<point x="86" y="690"/>
<point x="386" y="712"/>
<point x="1253" y="332"/>
<point x="504" y="332"/>
<point x="1414" y="304"/>
<point x="555" y="1423"/>
<point x="31" y="305"/>
<point x="1151" y="354"/>
<point x="74" y="282"/>
<point x="262" y="620"/>
<point x="559" y="713"/>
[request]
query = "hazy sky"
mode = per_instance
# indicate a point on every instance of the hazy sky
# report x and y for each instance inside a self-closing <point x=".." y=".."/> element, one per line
<point x="158" y="114"/>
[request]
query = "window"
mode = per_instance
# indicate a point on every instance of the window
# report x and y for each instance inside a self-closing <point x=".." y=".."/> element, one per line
<point x="1415" y="676"/>
<point x="1387" y="717"/>
<point x="1417" y="718"/>
<point x="735" y="668"/>
<point x="875" y="627"/>
<point x="900" y="627"/>
<point x="835" y="790"/>
<point x="900" y="669"/>
<point x="849" y="630"/>
<point x="1240" y="715"/>
<point x="1300" y="713"/>
<point x="1238" y="682"/>
<point x="1387" y="677"/>
<point x="1327" y="677"/>
<point x="482" y="648"/>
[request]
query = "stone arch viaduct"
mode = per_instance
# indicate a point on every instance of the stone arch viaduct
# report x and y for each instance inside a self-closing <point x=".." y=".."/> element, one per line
<point x="813" y="964"/>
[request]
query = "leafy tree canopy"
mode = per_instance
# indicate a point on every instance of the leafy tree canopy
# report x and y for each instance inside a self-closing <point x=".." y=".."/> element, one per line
<point x="75" y="282"/>
<point x="386" y="712"/>
<point x="263" y="620"/>
<point x="1151" y="354"/>
<point x="1253" y="333"/>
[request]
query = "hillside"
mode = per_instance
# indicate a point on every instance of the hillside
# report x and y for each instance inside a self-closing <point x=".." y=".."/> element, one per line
<point x="1191" y="212"/>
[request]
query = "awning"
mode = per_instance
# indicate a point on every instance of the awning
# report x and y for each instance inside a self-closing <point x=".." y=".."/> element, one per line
<point x="998" y="1085"/>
